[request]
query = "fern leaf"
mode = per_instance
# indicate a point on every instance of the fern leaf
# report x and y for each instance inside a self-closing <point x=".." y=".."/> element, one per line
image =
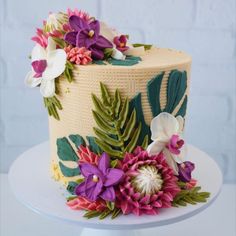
<point x="105" y="95"/>
<point x="123" y="114"/>
<point x="130" y="126"/>
<point x="134" y="139"/>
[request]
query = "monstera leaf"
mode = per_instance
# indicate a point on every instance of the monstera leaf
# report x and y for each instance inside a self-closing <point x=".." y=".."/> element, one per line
<point x="175" y="93"/>
<point x="129" y="61"/>
<point x="117" y="132"/>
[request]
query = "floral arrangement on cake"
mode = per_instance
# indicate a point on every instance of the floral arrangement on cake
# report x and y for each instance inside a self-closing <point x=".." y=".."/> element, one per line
<point x="124" y="171"/>
<point x="73" y="38"/>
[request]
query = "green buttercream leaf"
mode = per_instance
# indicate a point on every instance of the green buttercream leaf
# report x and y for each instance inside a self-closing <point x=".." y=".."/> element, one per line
<point x="67" y="171"/>
<point x="183" y="108"/>
<point x="64" y="150"/>
<point x="114" y="163"/>
<point x="146" y="46"/>
<point x="189" y="196"/>
<point x="117" y="131"/>
<point x="71" y="187"/>
<point x="153" y="93"/>
<point x="68" y="73"/>
<point x="77" y="140"/>
<point x="53" y="104"/>
<point x="129" y="61"/>
<point x="145" y="142"/>
<point x="59" y="42"/>
<point x="136" y="103"/>
<point x="176" y="88"/>
<point x="93" y="145"/>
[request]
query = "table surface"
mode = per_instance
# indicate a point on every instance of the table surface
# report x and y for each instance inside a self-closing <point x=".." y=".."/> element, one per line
<point x="17" y="220"/>
<point x="39" y="191"/>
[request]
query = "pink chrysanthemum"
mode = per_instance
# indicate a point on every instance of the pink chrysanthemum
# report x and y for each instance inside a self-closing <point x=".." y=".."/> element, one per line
<point x="149" y="184"/>
<point x="79" y="56"/>
<point x="87" y="156"/>
<point x="81" y="203"/>
<point x="83" y="15"/>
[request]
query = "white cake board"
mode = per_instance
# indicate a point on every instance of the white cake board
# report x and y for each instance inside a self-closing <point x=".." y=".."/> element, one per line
<point x="32" y="184"/>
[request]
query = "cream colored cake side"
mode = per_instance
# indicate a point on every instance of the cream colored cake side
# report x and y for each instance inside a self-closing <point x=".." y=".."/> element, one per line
<point x="76" y="116"/>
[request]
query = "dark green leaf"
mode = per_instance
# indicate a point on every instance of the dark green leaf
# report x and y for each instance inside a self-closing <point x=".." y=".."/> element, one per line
<point x="64" y="150"/>
<point x="146" y="46"/>
<point x="93" y="145"/>
<point x="67" y="171"/>
<point x="77" y="140"/>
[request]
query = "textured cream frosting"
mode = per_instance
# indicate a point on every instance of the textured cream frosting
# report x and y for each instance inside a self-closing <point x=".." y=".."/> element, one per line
<point x="76" y="116"/>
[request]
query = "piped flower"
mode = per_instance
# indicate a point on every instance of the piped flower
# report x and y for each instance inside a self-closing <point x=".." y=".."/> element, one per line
<point x="166" y="136"/>
<point x="83" y="15"/>
<point x="120" y="42"/>
<point x="79" y="56"/>
<point x="87" y="35"/>
<point x="149" y="184"/>
<point x="185" y="171"/>
<point x="99" y="180"/>
<point x="47" y="64"/>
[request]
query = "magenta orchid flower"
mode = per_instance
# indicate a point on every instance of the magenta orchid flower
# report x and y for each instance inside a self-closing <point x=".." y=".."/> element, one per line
<point x="99" y="180"/>
<point x="185" y="171"/>
<point x="120" y="42"/>
<point x="87" y="35"/>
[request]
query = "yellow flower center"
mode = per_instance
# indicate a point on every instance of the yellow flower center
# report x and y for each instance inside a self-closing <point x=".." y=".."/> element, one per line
<point x="95" y="178"/>
<point x="122" y="45"/>
<point x="91" y="33"/>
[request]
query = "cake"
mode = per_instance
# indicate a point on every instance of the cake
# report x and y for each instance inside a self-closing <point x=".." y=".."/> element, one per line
<point x="116" y="117"/>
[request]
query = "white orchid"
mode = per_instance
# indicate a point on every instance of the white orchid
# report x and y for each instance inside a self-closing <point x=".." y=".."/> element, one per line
<point x="118" y="55"/>
<point x="166" y="136"/>
<point x="47" y="64"/>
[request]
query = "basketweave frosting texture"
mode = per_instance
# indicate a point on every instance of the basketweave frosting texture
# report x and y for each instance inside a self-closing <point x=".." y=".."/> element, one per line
<point x="76" y="116"/>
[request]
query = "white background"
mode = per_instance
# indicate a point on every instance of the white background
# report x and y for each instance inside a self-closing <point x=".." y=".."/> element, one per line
<point x="203" y="28"/>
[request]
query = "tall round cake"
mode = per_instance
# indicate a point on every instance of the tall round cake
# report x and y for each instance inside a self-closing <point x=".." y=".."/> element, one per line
<point x="116" y="117"/>
<point x="76" y="117"/>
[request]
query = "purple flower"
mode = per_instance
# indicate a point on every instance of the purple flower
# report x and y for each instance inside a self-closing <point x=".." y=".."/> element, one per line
<point x="185" y="170"/>
<point x="120" y="42"/>
<point x="99" y="180"/>
<point x="86" y="35"/>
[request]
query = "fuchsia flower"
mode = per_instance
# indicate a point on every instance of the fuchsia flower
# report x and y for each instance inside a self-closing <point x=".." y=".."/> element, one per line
<point x="120" y="42"/>
<point x="41" y="38"/>
<point x="148" y="185"/>
<point x="99" y="180"/>
<point x="185" y="171"/>
<point x="81" y="203"/>
<point x="86" y="35"/>
<point x="79" y="56"/>
<point x="175" y="144"/>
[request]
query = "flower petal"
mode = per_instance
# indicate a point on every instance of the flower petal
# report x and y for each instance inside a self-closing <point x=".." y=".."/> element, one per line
<point x="107" y="32"/>
<point x="56" y="62"/>
<point x="70" y="37"/>
<point x="82" y="39"/>
<point x="108" y="194"/>
<point x="97" y="54"/>
<point x="47" y="88"/>
<point x="103" y="43"/>
<point x="95" y="25"/>
<point x="155" y="148"/>
<point x="180" y="119"/>
<point x="118" y="55"/>
<point x="31" y="81"/>
<point x="170" y="161"/>
<point x="92" y="191"/>
<point x="164" y="126"/>
<point x="104" y="163"/>
<point x="38" y="53"/>
<point x="88" y="169"/>
<point x="77" y="23"/>
<point x="113" y="177"/>
<point x="51" y="44"/>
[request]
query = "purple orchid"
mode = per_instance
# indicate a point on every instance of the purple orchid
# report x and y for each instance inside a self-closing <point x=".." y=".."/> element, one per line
<point x="99" y="180"/>
<point x="120" y="42"/>
<point x="185" y="171"/>
<point x="86" y="35"/>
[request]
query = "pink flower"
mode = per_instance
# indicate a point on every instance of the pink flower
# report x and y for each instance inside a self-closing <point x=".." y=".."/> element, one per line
<point x="87" y="156"/>
<point x="120" y="42"/>
<point x="175" y="144"/>
<point x="79" y="56"/>
<point x="83" y="15"/>
<point x="81" y="203"/>
<point x="192" y="183"/>
<point x="149" y="184"/>
<point x="41" y="38"/>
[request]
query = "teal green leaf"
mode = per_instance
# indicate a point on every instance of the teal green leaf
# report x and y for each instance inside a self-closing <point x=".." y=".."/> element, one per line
<point x="93" y="145"/>
<point x="99" y="62"/>
<point x="77" y="140"/>
<point x="71" y="187"/>
<point x="153" y="93"/>
<point x="68" y="172"/>
<point x="136" y="103"/>
<point x="129" y="61"/>
<point x="64" y="150"/>
<point x="176" y="88"/>
<point x="183" y="108"/>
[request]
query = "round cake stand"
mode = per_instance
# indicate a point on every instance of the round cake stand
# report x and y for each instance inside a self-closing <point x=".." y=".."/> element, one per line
<point x="32" y="184"/>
